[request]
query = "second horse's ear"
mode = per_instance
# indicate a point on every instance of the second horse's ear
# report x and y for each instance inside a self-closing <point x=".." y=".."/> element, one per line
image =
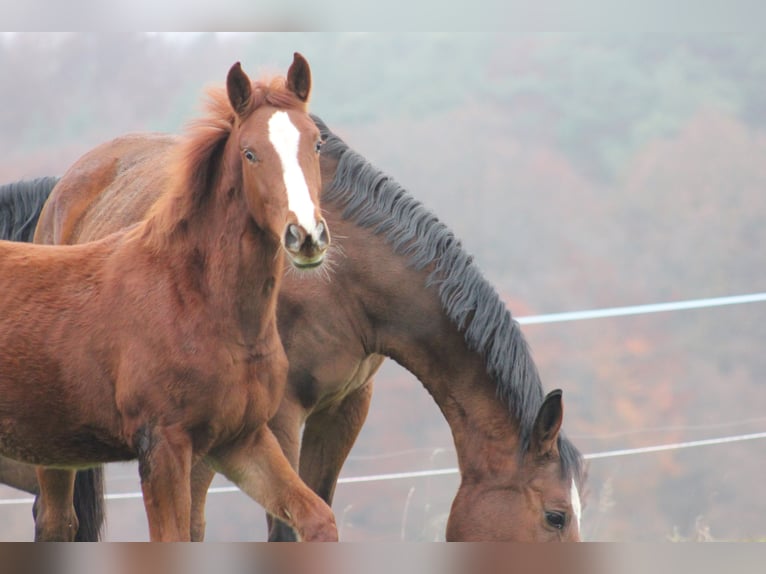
<point x="238" y="88"/>
<point x="545" y="433"/>
<point x="299" y="78"/>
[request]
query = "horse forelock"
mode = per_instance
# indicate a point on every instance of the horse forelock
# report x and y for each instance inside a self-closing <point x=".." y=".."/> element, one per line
<point x="271" y="91"/>
<point x="267" y="91"/>
<point x="274" y="92"/>
<point x="374" y="200"/>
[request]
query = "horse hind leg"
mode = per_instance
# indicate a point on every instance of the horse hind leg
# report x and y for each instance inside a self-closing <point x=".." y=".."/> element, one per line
<point x="55" y="519"/>
<point x="257" y="465"/>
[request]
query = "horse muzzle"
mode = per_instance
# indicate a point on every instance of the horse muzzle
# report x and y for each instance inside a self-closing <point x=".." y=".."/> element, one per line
<point x="306" y="250"/>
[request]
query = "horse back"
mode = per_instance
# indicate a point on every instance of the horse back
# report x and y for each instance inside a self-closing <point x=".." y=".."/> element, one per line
<point x="108" y="188"/>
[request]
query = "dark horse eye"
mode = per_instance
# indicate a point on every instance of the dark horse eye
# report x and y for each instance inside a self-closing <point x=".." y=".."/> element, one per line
<point x="556" y="519"/>
<point x="249" y="155"/>
<point x="319" y="145"/>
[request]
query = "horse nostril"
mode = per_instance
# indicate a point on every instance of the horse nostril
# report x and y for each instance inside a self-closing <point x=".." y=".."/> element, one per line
<point x="293" y="237"/>
<point x="323" y="238"/>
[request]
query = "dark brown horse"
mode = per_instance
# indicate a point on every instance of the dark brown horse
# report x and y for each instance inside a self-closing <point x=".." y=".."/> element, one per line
<point x="159" y="342"/>
<point x="401" y="286"/>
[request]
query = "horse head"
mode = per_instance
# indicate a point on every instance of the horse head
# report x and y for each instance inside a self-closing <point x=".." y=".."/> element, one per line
<point x="538" y="501"/>
<point x="277" y="154"/>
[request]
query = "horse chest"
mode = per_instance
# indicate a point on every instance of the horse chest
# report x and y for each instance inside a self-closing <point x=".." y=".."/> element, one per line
<point x="221" y="387"/>
<point x="248" y="391"/>
<point x="328" y="383"/>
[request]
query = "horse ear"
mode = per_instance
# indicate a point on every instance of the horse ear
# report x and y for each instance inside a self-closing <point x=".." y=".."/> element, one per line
<point x="548" y="424"/>
<point x="239" y="89"/>
<point x="299" y="77"/>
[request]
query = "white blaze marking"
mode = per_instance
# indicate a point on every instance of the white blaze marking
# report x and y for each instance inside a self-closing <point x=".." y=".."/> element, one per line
<point x="576" y="507"/>
<point x="284" y="136"/>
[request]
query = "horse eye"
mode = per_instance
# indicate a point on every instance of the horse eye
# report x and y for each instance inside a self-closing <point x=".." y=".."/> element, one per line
<point x="556" y="519"/>
<point x="249" y="155"/>
<point x="318" y="146"/>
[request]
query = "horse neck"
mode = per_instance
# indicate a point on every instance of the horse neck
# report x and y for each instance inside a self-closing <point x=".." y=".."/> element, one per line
<point x="406" y="321"/>
<point x="223" y="257"/>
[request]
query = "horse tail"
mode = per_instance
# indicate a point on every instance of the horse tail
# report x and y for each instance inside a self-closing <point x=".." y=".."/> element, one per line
<point x="89" y="504"/>
<point x="20" y="205"/>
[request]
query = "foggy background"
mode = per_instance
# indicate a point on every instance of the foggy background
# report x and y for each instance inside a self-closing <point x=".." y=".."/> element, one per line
<point x="581" y="171"/>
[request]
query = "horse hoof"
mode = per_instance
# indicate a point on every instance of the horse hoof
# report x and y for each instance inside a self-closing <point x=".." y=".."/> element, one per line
<point x="324" y="531"/>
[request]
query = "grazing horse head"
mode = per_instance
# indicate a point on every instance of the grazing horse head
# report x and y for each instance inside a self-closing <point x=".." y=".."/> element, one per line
<point x="270" y="127"/>
<point x="537" y="502"/>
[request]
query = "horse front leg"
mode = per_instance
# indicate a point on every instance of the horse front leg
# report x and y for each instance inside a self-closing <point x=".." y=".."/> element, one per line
<point x="55" y="518"/>
<point x="286" y="426"/>
<point x="164" y="465"/>
<point x="257" y="465"/>
<point x="201" y="477"/>
<point x="327" y="440"/>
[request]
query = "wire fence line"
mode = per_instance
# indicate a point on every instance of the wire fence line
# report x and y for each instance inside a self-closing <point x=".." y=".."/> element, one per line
<point x="642" y="309"/>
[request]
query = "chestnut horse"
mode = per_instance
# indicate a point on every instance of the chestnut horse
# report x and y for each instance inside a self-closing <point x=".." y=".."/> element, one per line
<point x="423" y="303"/>
<point x="159" y="342"/>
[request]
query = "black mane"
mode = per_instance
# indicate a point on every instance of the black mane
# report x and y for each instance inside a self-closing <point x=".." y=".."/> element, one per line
<point x="374" y="200"/>
<point x="20" y="207"/>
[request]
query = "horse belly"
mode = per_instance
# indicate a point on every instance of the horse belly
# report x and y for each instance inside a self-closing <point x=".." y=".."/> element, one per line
<point x="46" y="445"/>
<point x="49" y="416"/>
<point x="42" y="421"/>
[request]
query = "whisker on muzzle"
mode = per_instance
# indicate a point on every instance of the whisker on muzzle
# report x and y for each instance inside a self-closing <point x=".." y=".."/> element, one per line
<point x="323" y="272"/>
